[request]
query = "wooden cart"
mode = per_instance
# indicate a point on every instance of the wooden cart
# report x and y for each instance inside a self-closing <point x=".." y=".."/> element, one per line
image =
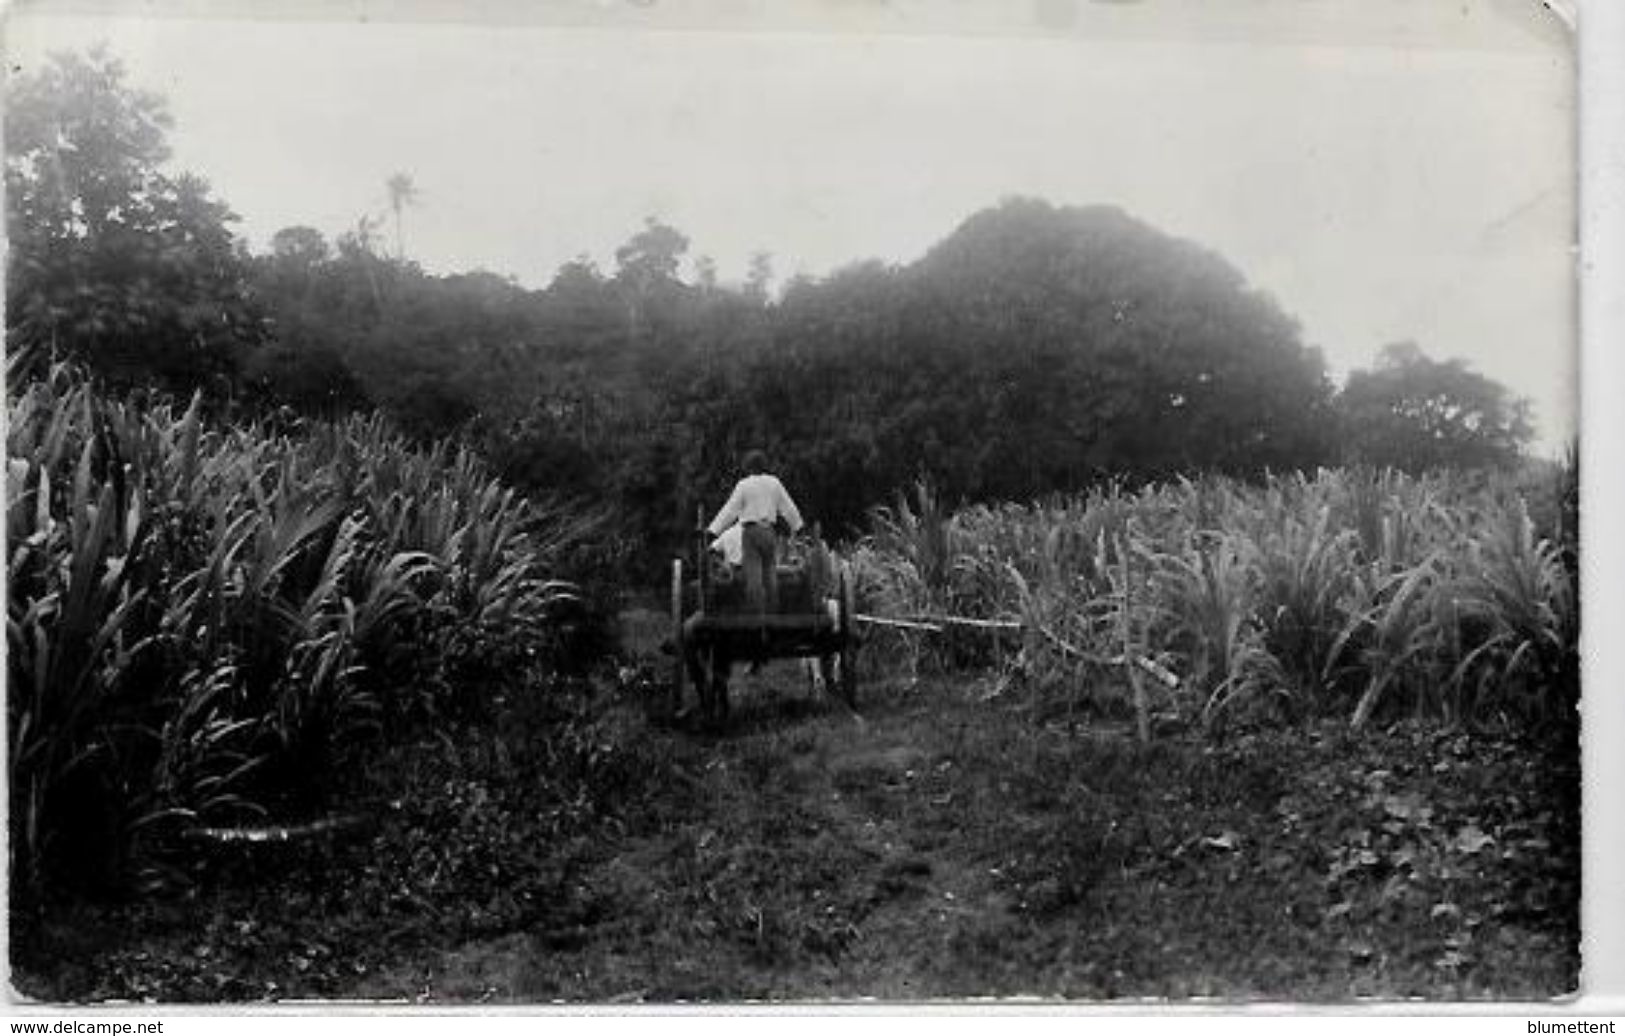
<point x="712" y="629"/>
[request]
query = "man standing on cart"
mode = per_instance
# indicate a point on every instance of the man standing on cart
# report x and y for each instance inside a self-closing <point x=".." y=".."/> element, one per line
<point x="762" y="507"/>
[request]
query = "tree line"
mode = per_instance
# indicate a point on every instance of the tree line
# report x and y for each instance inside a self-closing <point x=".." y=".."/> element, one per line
<point x="1036" y="349"/>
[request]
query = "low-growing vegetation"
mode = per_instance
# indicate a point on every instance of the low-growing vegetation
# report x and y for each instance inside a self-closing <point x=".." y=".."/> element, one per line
<point x="939" y="844"/>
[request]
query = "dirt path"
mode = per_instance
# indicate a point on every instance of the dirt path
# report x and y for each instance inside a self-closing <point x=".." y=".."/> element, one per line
<point x="796" y="865"/>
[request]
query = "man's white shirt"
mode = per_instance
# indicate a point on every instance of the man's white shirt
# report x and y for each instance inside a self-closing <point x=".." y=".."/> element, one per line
<point x="757" y="498"/>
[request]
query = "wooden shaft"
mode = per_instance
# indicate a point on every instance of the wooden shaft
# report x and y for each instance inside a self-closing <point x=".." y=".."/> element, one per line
<point x="986" y="624"/>
<point x="905" y="624"/>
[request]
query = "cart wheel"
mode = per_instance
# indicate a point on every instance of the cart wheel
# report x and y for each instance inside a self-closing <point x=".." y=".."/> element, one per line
<point x="848" y="634"/>
<point x="679" y="669"/>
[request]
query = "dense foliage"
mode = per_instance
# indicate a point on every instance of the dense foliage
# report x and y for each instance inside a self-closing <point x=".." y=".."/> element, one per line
<point x="1353" y="592"/>
<point x="114" y="261"/>
<point x="1035" y="349"/>
<point x="1418" y="414"/>
<point x="206" y="624"/>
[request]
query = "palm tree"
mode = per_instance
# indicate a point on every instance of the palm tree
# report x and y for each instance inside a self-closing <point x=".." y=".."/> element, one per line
<point x="402" y="192"/>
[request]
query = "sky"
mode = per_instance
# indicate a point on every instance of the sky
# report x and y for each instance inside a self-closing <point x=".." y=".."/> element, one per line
<point x="1386" y="169"/>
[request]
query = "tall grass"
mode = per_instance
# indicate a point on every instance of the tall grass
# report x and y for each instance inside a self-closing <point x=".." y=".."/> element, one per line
<point x="1351" y="592"/>
<point x="207" y="622"/>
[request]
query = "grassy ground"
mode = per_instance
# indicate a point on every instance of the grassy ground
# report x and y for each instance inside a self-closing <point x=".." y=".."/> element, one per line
<point x="937" y="845"/>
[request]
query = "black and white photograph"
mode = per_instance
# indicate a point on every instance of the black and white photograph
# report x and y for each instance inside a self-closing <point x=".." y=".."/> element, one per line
<point x="628" y="502"/>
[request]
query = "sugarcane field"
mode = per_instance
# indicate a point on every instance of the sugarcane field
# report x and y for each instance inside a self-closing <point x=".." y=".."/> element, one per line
<point x="1091" y="558"/>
